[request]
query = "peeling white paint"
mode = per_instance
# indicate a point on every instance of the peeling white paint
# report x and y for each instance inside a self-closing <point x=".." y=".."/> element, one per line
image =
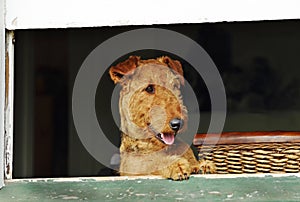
<point x="152" y="177"/>
<point x="8" y="123"/>
<point x="2" y="90"/>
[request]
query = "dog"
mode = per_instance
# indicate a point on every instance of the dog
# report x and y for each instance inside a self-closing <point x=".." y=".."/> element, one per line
<point x="152" y="114"/>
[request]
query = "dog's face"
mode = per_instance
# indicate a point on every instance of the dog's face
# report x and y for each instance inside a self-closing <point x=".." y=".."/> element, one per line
<point x="150" y="99"/>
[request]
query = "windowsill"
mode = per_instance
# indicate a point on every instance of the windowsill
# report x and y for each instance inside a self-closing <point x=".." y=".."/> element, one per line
<point x="263" y="187"/>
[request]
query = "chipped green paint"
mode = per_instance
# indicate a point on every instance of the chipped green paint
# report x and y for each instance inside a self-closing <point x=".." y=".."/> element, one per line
<point x="197" y="188"/>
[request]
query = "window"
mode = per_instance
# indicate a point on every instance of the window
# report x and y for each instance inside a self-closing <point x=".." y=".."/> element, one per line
<point x="45" y="142"/>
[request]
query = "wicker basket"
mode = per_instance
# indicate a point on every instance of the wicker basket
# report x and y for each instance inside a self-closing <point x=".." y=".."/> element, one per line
<point x="251" y="152"/>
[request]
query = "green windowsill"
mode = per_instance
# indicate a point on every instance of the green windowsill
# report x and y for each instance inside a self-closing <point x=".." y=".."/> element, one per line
<point x="257" y="187"/>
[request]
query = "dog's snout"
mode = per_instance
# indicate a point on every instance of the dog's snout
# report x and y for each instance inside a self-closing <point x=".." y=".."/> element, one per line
<point x="176" y="124"/>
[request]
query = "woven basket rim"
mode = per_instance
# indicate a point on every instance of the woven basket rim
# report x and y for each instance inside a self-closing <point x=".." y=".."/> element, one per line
<point x="246" y="137"/>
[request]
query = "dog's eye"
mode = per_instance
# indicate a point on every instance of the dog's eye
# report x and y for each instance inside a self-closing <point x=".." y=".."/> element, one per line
<point x="150" y="89"/>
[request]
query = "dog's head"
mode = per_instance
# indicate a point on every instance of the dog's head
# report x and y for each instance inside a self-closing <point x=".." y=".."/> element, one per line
<point x="150" y="100"/>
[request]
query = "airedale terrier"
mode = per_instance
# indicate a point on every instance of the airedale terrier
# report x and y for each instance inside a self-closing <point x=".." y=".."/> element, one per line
<point x="152" y="114"/>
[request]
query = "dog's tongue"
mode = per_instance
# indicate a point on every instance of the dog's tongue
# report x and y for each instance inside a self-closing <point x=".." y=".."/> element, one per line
<point x="167" y="138"/>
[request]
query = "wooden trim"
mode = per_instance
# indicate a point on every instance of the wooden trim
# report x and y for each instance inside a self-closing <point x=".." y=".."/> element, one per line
<point x="31" y="14"/>
<point x="247" y="137"/>
<point x="2" y="90"/>
<point x="9" y="105"/>
<point x="149" y="177"/>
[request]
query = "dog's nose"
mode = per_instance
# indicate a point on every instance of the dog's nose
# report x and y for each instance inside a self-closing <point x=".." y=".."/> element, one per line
<point x="176" y="124"/>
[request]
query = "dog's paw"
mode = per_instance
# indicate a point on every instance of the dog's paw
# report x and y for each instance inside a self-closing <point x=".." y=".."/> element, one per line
<point x="206" y="166"/>
<point x="178" y="175"/>
<point x="178" y="171"/>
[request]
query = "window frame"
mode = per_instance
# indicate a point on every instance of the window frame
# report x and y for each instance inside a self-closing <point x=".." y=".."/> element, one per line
<point x="15" y="15"/>
<point x="2" y="90"/>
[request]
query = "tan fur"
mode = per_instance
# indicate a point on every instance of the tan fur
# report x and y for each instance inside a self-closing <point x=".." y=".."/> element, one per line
<point x="141" y="152"/>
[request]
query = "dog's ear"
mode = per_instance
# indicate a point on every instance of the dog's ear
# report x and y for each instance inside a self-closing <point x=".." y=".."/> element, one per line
<point x="175" y="65"/>
<point x="117" y="72"/>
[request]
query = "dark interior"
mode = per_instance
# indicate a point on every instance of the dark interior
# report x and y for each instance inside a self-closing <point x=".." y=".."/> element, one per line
<point x="258" y="62"/>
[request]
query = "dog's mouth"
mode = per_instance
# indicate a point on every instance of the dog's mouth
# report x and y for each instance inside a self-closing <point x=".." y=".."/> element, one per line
<point x="166" y="138"/>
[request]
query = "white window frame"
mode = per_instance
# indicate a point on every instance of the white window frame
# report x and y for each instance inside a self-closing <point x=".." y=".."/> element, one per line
<point x="2" y="89"/>
<point x="35" y="14"/>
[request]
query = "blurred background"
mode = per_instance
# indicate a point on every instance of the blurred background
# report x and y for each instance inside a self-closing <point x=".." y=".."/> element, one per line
<point x="259" y="63"/>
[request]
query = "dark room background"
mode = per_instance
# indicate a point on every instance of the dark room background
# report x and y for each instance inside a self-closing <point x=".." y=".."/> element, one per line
<point x="259" y="63"/>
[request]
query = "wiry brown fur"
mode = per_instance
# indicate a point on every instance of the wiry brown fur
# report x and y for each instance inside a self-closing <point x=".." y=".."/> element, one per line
<point x="141" y="152"/>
